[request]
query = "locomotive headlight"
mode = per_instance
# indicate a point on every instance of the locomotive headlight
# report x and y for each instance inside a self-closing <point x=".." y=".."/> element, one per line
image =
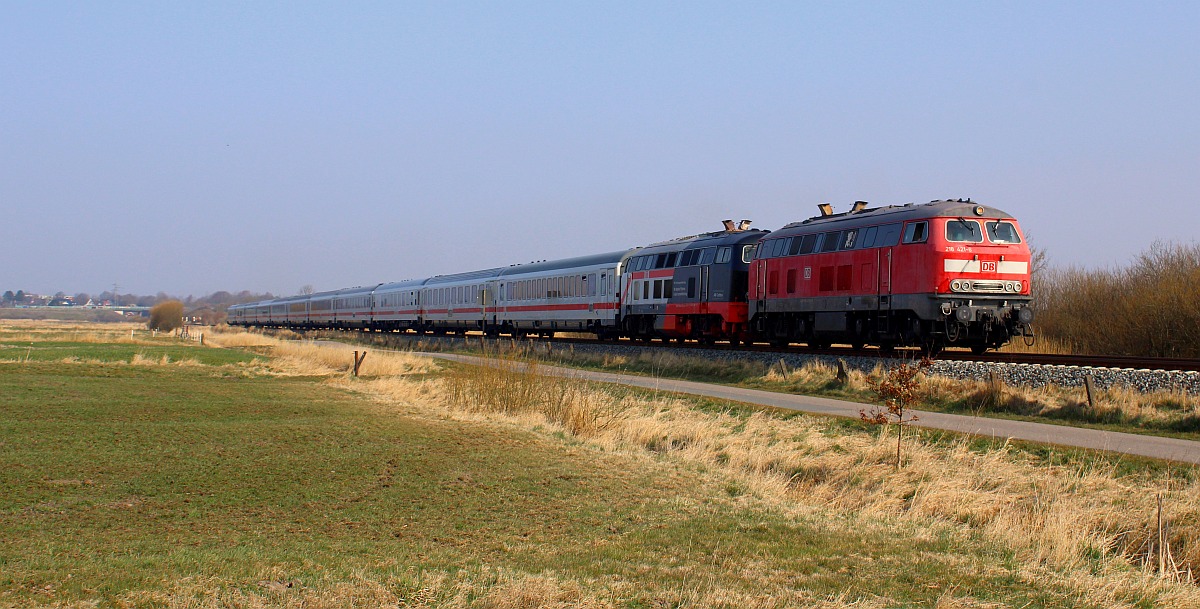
<point x="1020" y="286"/>
<point x="956" y="285"/>
<point x="1008" y="286"/>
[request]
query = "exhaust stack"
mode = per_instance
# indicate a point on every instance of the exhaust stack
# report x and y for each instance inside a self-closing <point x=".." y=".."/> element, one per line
<point x="728" y="225"/>
<point x="826" y="209"/>
<point x="743" y="225"/>
<point x="858" y="206"/>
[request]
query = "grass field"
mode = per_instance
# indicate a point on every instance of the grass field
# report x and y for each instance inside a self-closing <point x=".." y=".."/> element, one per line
<point x="144" y="472"/>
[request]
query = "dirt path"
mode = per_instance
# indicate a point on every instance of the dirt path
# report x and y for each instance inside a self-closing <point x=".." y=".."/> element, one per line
<point x="1170" y="449"/>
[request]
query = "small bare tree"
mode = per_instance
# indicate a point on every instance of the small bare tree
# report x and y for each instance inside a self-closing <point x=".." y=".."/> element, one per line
<point x="305" y="290"/>
<point x="899" y="388"/>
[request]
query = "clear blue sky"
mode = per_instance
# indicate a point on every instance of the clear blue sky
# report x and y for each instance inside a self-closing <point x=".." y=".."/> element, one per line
<point x="199" y="146"/>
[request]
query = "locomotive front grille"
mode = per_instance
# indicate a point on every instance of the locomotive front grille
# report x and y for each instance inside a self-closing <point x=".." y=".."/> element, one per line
<point x="986" y="286"/>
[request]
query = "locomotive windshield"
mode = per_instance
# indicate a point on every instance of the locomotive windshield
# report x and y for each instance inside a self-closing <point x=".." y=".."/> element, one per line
<point x="963" y="231"/>
<point x="1002" y="232"/>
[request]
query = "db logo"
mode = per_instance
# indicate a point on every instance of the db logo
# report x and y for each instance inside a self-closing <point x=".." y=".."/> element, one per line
<point x="987" y="266"/>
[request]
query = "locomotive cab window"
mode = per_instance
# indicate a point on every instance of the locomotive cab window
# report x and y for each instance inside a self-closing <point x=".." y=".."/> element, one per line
<point x="781" y="246"/>
<point x="1002" y="232"/>
<point x="963" y="231"/>
<point x="868" y="239"/>
<point x="794" y="248"/>
<point x="831" y="242"/>
<point x="916" y="232"/>
<point x="848" y="238"/>
<point x="723" y="255"/>
<point x="708" y="255"/>
<point x="747" y="253"/>
<point x="808" y="244"/>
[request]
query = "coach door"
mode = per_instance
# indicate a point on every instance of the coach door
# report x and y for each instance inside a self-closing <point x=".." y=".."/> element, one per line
<point x="484" y="301"/>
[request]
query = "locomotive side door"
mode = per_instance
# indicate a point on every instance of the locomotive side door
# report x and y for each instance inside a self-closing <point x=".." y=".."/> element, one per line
<point x="884" y="264"/>
<point x="760" y="267"/>
<point x="704" y="283"/>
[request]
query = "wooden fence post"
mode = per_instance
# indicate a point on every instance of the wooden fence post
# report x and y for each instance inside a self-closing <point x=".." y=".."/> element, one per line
<point x="358" y="361"/>
<point x="1090" y="387"/>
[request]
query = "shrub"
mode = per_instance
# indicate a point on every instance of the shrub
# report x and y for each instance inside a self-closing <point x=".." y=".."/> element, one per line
<point x="1148" y="308"/>
<point x="166" y="315"/>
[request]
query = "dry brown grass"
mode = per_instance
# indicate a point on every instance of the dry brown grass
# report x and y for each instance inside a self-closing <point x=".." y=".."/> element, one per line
<point x="18" y="330"/>
<point x="308" y="358"/>
<point x="477" y="588"/>
<point x="1169" y="409"/>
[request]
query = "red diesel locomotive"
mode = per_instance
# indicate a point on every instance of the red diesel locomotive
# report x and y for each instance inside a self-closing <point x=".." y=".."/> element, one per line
<point x="934" y="275"/>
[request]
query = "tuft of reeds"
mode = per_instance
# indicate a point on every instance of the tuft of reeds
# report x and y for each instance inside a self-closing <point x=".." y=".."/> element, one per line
<point x="509" y="385"/>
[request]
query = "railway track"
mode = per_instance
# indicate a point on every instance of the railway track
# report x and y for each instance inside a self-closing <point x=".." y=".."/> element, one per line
<point x="1040" y="359"/>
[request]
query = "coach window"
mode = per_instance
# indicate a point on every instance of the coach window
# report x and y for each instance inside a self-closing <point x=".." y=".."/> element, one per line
<point x="831" y="242"/>
<point x="963" y="231"/>
<point x="670" y="261"/>
<point x="916" y="232"/>
<point x="645" y="290"/>
<point x="1002" y="232"/>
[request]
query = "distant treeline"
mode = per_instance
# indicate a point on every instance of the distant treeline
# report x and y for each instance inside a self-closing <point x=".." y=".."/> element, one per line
<point x="208" y="309"/>
<point x="1150" y="307"/>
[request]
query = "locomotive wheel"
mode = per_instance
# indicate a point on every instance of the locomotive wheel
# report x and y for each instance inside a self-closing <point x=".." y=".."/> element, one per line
<point x="979" y="348"/>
